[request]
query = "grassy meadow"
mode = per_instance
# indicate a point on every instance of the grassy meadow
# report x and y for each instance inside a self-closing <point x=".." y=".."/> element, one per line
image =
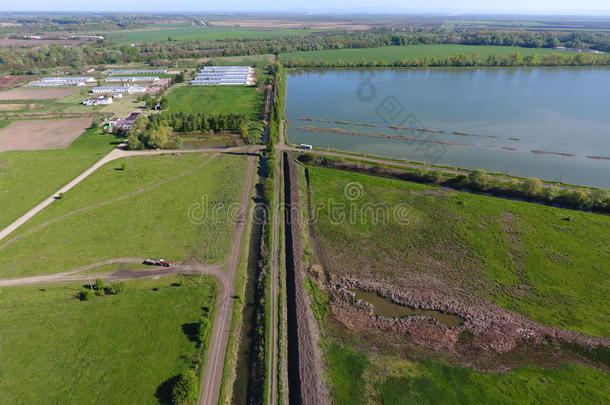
<point x="156" y="34"/>
<point x="28" y="177"/>
<point x="547" y="263"/>
<point x="167" y="206"/>
<point x="118" y="349"/>
<point x="361" y="378"/>
<point x="394" y="53"/>
<point x="525" y="257"/>
<point x="215" y="100"/>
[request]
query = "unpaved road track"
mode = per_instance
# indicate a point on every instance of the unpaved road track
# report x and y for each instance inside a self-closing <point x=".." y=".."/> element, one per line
<point x="113" y="155"/>
<point x="215" y="359"/>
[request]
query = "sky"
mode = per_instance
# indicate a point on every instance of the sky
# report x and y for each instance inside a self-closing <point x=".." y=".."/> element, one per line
<point x="582" y="7"/>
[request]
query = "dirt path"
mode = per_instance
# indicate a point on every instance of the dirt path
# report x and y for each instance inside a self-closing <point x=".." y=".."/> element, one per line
<point x="215" y="360"/>
<point x="113" y="155"/>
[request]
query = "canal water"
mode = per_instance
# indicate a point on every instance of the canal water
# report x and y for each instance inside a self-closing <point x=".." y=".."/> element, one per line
<point x="550" y="123"/>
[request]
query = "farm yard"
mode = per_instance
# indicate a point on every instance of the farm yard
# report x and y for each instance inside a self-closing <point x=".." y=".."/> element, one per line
<point x="147" y="203"/>
<point x="41" y="134"/>
<point x="455" y="251"/>
<point x="124" y="348"/>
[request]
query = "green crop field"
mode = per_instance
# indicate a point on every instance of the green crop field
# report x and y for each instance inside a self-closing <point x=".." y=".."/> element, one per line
<point x="197" y="33"/>
<point x="28" y="177"/>
<point x="394" y="53"/>
<point x="360" y="378"/>
<point x="216" y="100"/>
<point x="115" y="349"/>
<point x="547" y="263"/>
<point x="168" y="206"/>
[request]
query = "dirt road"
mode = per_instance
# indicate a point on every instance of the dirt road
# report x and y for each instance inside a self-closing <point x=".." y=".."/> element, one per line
<point x="215" y="360"/>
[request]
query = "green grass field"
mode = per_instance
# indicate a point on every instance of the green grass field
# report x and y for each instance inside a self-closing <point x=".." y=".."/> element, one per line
<point x="28" y="177"/>
<point x="547" y="263"/>
<point x="197" y="33"/>
<point x="168" y="206"/>
<point x="358" y="378"/>
<point x="216" y="100"/>
<point x="55" y="349"/>
<point x="394" y="53"/>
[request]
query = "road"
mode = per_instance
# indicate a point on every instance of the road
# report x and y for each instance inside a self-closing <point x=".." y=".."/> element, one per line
<point x="113" y="155"/>
<point x="215" y="359"/>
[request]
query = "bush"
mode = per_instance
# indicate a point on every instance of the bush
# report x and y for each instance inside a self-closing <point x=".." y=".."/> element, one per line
<point x="202" y="329"/>
<point x="99" y="285"/>
<point x="84" y="294"/>
<point x="115" y="288"/>
<point x="185" y="389"/>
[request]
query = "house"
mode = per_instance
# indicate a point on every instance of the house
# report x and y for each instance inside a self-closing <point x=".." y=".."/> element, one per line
<point x="125" y="123"/>
<point x="101" y="100"/>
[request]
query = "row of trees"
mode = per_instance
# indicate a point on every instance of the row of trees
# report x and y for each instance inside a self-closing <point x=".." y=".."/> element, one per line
<point x="479" y="181"/>
<point x="461" y="60"/>
<point x="32" y="60"/>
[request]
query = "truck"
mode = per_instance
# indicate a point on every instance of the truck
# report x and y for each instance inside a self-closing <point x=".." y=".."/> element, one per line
<point x="157" y="262"/>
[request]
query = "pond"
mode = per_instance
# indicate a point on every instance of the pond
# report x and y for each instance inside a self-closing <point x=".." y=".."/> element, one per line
<point x="388" y="309"/>
<point x="550" y="123"/>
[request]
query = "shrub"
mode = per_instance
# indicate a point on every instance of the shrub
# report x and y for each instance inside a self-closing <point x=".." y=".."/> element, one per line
<point x="84" y="294"/>
<point x="115" y="288"/>
<point x="202" y="329"/>
<point x="99" y="285"/>
<point x="185" y="389"/>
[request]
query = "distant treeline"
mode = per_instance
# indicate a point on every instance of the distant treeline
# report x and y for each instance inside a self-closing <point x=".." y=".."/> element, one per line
<point x="461" y="60"/>
<point x="32" y="60"/>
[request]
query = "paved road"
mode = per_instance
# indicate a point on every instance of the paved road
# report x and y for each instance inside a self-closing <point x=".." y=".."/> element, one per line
<point x="113" y="155"/>
<point x="215" y="359"/>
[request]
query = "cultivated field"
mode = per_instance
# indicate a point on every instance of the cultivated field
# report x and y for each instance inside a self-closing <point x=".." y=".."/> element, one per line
<point x="436" y="249"/>
<point x="37" y="93"/>
<point x="122" y="348"/>
<point x="394" y="53"/>
<point x="146" y="207"/>
<point x="41" y="134"/>
<point x="28" y="177"/>
<point x="156" y="34"/>
<point x="216" y="100"/>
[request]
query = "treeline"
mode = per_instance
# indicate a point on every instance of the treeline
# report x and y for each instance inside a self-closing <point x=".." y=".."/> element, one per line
<point x="200" y="122"/>
<point x="33" y="60"/>
<point x="461" y="60"/>
<point x="530" y="189"/>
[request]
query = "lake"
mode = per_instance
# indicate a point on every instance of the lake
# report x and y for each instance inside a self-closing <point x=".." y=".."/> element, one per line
<point x="550" y="123"/>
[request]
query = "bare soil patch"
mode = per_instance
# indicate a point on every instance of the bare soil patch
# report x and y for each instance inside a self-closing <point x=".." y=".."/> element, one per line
<point x="10" y="81"/>
<point x="6" y="42"/>
<point x="37" y="94"/>
<point x="41" y="134"/>
<point x="12" y="107"/>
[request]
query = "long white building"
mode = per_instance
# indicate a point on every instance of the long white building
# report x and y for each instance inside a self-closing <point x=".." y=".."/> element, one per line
<point x="132" y="79"/>
<point x="119" y="89"/>
<point x="224" y="75"/>
<point x="61" y="81"/>
<point x="133" y="71"/>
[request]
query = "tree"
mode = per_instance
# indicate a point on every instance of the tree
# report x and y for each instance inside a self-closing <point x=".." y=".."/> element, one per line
<point x="478" y="178"/>
<point x="115" y="288"/>
<point x="159" y="138"/>
<point x="202" y="328"/>
<point x="84" y="294"/>
<point x="133" y="143"/>
<point x="532" y="187"/>
<point x="99" y="286"/>
<point x="185" y="388"/>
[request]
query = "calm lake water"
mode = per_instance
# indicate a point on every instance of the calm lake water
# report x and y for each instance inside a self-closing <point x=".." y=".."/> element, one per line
<point x="535" y="122"/>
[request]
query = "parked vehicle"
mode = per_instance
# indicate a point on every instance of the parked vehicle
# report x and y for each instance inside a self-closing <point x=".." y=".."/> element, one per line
<point x="157" y="262"/>
<point x="305" y="146"/>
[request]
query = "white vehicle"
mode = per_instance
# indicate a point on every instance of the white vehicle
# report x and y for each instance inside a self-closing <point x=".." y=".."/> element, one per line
<point x="305" y="146"/>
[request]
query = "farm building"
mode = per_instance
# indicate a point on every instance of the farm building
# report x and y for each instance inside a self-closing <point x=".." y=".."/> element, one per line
<point x="224" y="75"/>
<point x="101" y="100"/>
<point x="133" y="71"/>
<point x="132" y="79"/>
<point x="61" y="81"/>
<point x="125" y="123"/>
<point x="119" y="89"/>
